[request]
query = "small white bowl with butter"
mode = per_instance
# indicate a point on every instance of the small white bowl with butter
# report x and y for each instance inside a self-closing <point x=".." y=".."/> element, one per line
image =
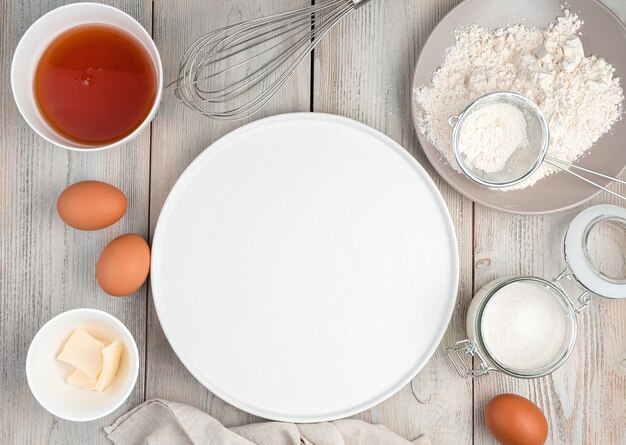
<point x="82" y="365"/>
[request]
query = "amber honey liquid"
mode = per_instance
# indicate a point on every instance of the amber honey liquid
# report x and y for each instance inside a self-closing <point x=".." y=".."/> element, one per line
<point x="95" y="84"/>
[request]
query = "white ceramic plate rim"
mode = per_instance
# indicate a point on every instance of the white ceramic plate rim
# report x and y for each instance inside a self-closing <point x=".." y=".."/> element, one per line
<point x="157" y="252"/>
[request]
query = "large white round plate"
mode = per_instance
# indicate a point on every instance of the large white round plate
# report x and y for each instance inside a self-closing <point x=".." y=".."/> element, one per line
<point x="304" y="267"/>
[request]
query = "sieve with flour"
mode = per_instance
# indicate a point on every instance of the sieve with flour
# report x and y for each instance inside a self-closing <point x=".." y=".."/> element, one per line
<point x="526" y="326"/>
<point x="524" y="161"/>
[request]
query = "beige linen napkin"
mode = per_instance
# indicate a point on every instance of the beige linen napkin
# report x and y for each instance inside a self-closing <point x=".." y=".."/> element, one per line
<point x="160" y="422"/>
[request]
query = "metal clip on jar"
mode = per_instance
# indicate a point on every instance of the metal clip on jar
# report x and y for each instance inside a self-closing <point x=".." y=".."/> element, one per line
<point x="526" y="327"/>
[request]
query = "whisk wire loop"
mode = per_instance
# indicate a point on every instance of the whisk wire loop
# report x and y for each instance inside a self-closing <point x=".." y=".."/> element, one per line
<point x="232" y="72"/>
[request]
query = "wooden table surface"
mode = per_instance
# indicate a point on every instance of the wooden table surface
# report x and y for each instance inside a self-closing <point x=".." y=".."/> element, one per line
<point x="362" y="70"/>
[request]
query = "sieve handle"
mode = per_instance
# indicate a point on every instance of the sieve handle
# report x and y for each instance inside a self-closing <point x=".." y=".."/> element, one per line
<point x="567" y="166"/>
<point x="452" y="120"/>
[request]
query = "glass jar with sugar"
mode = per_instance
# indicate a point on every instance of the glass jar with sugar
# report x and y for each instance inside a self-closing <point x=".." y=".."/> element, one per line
<point x="526" y="327"/>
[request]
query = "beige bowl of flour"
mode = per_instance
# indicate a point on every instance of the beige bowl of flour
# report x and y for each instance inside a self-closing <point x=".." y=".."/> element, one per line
<point x="558" y="191"/>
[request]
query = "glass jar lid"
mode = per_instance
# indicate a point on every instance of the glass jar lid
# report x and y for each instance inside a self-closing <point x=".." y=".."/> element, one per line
<point x="595" y="250"/>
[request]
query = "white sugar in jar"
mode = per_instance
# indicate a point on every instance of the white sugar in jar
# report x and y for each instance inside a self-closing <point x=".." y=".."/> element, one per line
<point x="525" y="326"/>
<point x="522" y="326"/>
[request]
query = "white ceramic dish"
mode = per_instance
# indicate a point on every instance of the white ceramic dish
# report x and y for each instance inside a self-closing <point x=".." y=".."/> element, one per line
<point x="38" y="37"/>
<point x="304" y="267"/>
<point x="47" y="375"/>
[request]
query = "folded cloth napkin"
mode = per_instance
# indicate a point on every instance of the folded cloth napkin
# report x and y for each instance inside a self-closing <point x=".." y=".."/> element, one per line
<point x="160" y="422"/>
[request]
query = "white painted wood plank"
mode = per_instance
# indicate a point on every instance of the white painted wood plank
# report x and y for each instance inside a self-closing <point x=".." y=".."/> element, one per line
<point x="363" y="70"/>
<point x="47" y="267"/>
<point x="179" y="135"/>
<point x="585" y="401"/>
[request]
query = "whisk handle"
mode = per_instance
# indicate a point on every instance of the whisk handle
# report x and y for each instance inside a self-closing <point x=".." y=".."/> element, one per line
<point x="359" y="3"/>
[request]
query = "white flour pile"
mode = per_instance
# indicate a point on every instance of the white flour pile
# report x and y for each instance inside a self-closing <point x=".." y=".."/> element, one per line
<point x="580" y="96"/>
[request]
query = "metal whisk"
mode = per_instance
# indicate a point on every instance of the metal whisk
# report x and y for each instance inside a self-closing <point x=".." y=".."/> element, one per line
<point x="232" y="72"/>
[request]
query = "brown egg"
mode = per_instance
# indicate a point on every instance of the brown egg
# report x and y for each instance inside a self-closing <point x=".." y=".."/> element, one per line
<point x="91" y="205"/>
<point x="123" y="265"/>
<point x="515" y="420"/>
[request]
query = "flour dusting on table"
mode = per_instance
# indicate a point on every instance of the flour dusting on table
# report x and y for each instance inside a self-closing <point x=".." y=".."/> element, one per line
<point x="580" y="95"/>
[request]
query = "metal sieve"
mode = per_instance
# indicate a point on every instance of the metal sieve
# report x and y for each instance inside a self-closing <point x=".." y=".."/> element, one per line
<point x="524" y="161"/>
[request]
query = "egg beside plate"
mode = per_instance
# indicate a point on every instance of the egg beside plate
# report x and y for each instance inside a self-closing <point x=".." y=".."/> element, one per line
<point x="123" y="265"/>
<point x="91" y="205"/>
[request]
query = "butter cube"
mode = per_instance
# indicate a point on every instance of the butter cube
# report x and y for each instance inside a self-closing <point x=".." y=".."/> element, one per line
<point x="79" y="378"/>
<point x="83" y="352"/>
<point x="110" y="363"/>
